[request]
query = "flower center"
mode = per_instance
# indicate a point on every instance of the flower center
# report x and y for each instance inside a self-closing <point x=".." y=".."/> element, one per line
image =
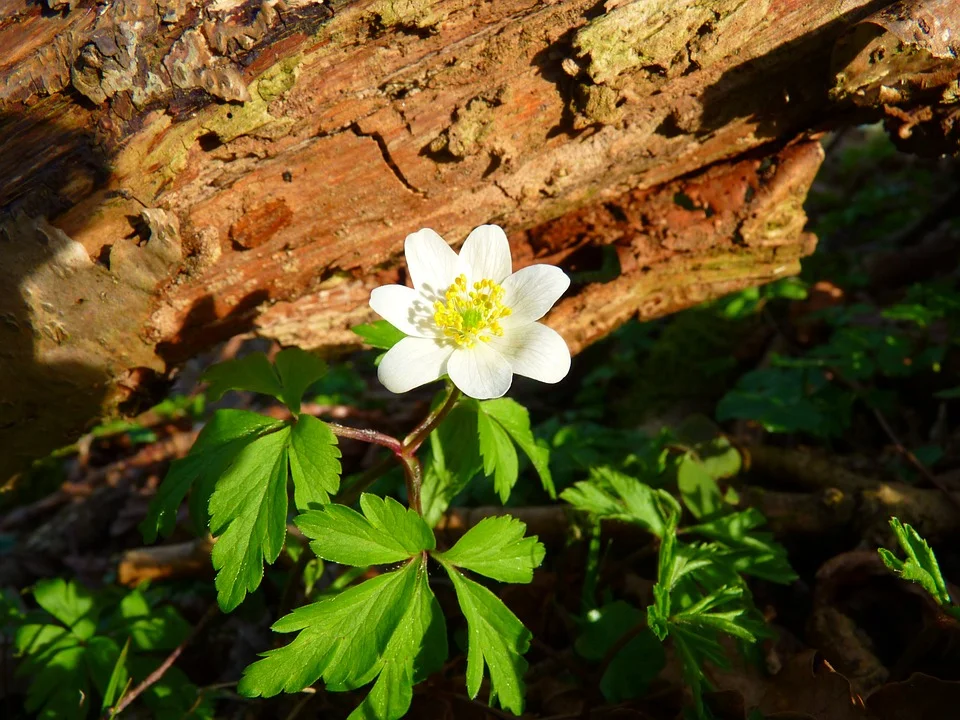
<point x="466" y="316"/>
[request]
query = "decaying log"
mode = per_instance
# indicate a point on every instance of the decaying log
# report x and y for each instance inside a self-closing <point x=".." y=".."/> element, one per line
<point x="176" y="172"/>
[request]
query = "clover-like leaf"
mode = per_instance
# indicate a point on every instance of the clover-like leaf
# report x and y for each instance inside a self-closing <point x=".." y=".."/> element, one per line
<point x="495" y="547"/>
<point x="385" y="533"/>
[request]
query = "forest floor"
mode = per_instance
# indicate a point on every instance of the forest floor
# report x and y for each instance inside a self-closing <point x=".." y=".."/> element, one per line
<point x="836" y="398"/>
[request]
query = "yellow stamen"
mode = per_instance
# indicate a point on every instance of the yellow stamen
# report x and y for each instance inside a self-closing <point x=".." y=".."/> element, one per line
<point x="466" y="316"/>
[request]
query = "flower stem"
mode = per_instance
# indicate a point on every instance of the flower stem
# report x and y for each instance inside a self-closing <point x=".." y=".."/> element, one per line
<point x="415" y="439"/>
<point x="368" y="436"/>
<point x="404" y="452"/>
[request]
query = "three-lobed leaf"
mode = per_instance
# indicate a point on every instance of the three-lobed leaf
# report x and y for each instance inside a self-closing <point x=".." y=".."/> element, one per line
<point x="609" y="494"/>
<point x="496" y="548"/>
<point x="286" y="379"/>
<point x="387" y="532"/>
<point x="378" y="629"/>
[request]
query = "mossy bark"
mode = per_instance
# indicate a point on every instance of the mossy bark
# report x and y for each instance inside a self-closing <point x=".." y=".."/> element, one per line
<point x="176" y="172"/>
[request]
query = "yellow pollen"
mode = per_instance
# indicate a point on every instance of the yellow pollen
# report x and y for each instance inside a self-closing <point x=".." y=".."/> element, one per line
<point x="466" y="316"/>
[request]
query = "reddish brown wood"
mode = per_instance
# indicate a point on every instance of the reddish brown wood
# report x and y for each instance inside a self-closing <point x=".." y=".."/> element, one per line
<point x="175" y="172"/>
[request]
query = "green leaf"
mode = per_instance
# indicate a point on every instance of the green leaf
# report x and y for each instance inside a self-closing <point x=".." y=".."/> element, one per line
<point x="119" y="679"/>
<point x="417" y="649"/>
<point x="760" y="554"/>
<point x="69" y="603"/>
<point x="514" y="418"/>
<point x="635" y="665"/>
<point x="59" y="687"/>
<point x="379" y="334"/>
<point x="453" y="460"/>
<point x="314" y="463"/>
<point x="385" y="533"/>
<point x="298" y="370"/>
<point x="384" y="627"/>
<point x="252" y="373"/>
<point x="248" y="511"/>
<point x="497" y="640"/>
<point x="921" y="566"/>
<point x="495" y="547"/>
<point x="499" y="456"/>
<point x="293" y="371"/>
<point x="698" y="489"/>
<point x="950" y="394"/>
<point x="610" y="494"/>
<point x="150" y="628"/>
<point x="216" y="448"/>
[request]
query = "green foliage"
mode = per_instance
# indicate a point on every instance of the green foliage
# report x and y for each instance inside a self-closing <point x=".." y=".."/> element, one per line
<point x="496" y="548"/>
<point x="379" y="334"/>
<point x="815" y="393"/>
<point x="481" y="436"/>
<point x="921" y="565"/>
<point x="240" y="466"/>
<point x="701" y="592"/>
<point x="292" y="372"/>
<point x="79" y="646"/>
<point x="389" y="630"/>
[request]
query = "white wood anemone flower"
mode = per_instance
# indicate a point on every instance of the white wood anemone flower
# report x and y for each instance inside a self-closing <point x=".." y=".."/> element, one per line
<point x="471" y="317"/>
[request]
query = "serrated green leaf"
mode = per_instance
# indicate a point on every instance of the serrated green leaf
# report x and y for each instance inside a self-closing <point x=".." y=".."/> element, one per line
<point x="499" y="456"/>
<point x="610" y="494"/>
<point x="385" y="533"/>
<point x="514" y="418"/>
<point x="293" y="371"/>
<point x="314" y="463"/>
<point x="59" y="685"/>
<point x="69" y="603"/>
<point x="921" y="566"/>
<point x="698" y="489"/>
<point x="248" y="511"/>
<point x="379" y="334"/>
<point x="417" y="649"/>
<point x="497" y="640"/>
<point x="379" y="628"/>
<point x="496" y="548"/>
<point x="759" y="554"/>
<point x="216" y="448"/>
<point x="298" y="370"/>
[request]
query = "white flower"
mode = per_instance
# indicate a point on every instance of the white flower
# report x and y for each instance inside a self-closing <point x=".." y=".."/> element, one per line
<point x="471" y="317"/>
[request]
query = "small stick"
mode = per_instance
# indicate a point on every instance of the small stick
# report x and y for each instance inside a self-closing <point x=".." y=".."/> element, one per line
<point x="162" y="669"/>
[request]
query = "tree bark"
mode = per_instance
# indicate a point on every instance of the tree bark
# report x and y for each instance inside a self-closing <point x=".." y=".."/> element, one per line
<point x="175" y="172"/>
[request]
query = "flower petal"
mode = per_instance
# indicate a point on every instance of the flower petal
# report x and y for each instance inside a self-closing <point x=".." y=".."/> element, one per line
<point x="531" y="292"/>
<point x="485" y="254"/>
<point x="535" y="351"/>
<point x="480" y="372"/>
<point x="406" y="309"/>
<point x="413" y="362"/>
<point x="431" y="262"/>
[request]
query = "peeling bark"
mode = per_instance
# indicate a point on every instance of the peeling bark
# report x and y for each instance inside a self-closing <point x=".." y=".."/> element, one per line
<point x="175" y="172"/>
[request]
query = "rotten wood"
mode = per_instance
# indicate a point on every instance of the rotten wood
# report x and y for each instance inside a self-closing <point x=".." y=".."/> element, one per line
<point x="173" y="173"/>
